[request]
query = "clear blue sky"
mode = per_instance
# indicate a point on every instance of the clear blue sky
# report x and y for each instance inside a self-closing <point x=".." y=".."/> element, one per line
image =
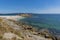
<point x="30" y="6"/>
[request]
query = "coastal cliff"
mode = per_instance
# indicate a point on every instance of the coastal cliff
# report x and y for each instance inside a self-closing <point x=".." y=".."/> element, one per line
<point x="15" y="30"/>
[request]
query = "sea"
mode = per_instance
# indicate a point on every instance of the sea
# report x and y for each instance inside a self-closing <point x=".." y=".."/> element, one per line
<point x="44" y="21"/>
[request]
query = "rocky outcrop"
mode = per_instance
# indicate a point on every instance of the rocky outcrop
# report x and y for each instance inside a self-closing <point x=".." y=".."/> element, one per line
<point x="14" y="30"/>
<point x="46" y="33"/>
<point x="26" y="15"/>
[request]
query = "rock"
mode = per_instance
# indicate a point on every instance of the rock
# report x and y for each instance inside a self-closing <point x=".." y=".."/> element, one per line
<point x="10" y="36"/>
<point x="26" y="15"/>
<point x="58" y="37"/>
<point x="45" y="33"/>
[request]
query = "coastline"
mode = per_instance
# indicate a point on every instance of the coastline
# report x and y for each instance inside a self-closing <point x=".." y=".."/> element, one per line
<point x="42" y="34"/>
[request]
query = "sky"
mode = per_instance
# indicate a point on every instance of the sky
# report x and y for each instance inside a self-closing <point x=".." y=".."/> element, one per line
<point x="29" y="6"/>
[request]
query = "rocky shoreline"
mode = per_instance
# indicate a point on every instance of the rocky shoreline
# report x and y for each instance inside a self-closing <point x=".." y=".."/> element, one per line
<point x="42" y="32"/>
<point x="18" y="30"/>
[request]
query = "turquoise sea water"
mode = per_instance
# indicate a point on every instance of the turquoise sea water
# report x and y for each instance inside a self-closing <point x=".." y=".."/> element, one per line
<point x="48" y="21"/>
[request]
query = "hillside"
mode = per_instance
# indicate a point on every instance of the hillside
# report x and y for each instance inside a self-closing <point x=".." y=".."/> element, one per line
<point x="14" y="30"/>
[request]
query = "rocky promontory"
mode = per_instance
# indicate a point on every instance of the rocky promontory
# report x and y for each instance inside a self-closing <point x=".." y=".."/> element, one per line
<point x="25" y="15"/>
